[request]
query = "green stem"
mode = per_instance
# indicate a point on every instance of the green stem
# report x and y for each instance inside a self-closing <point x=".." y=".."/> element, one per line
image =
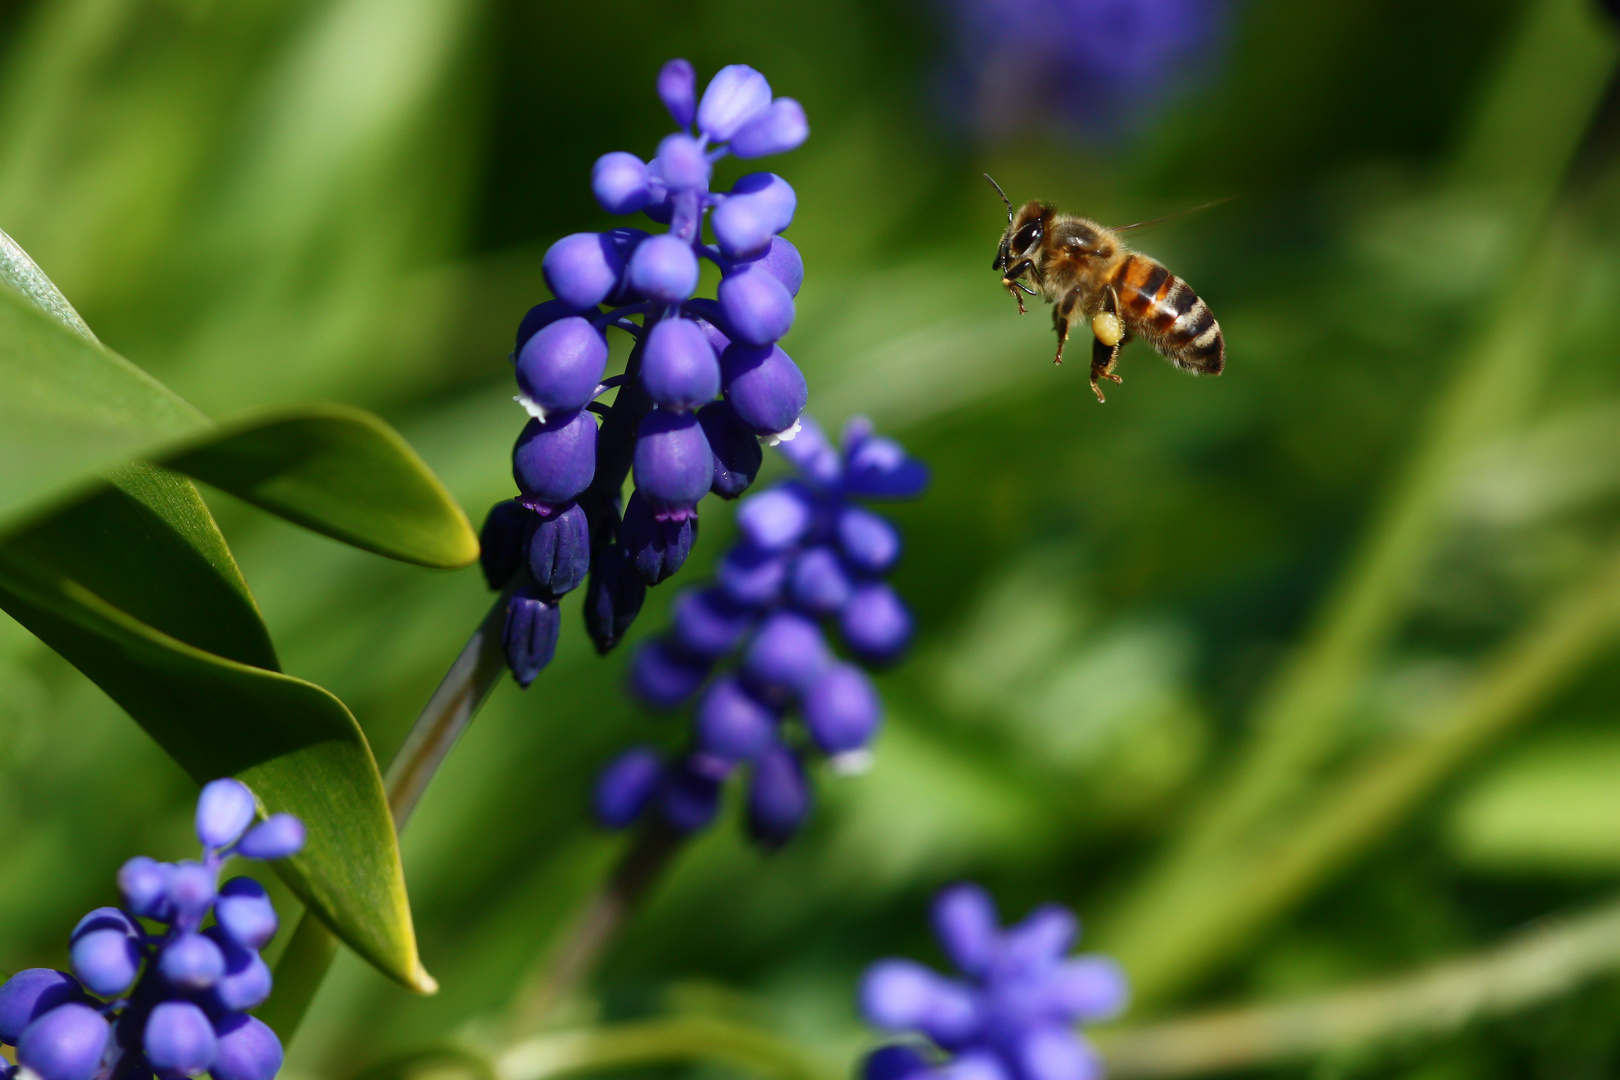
<point x="1551" y="958"/>
<point x="672" y="1039"/>
<point x="579" y="948"/>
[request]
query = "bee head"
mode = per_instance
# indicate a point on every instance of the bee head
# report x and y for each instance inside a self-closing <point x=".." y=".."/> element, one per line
<point x="1025" y="228"/>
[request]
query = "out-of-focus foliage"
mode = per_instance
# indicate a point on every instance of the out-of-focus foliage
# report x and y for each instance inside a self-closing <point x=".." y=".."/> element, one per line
<point x="272" y="200"/>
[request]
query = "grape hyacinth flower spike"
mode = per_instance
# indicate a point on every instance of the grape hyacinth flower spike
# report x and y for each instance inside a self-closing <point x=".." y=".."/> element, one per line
<point x="1012" y="1014"/>
<point x="705" y="381"/>
<point x="749" y="648"/>
<point x="168" y="1000"/>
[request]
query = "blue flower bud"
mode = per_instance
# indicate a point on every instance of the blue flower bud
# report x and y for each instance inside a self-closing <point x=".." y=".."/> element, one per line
<point x="677" y="89"/>
<point x="764" y="387"/>
<point x="737" y="456"/>
<point x="1052" y="1052"/>
<point x="770" y="191"/>
<point x="682" y="163"/>
<point x="501" y="541"/>
<point x="246" y="981"/>
<point x="582" y="269"/>
<point x="743" y="227"/>
<point x="625" y="786"/>
<point x="1087" y="988"/>
<point x="894" y="1063"/>
<point x="179" y="1040"/>
<point x="191" y="962"/>
<point x="541" y="316"/>
<point x="145" y="885"/>
<point x="875" y="624"/>
<point x="555" y="459"/>
<point x="758" y="308"/>
<point x="247" y="1049"/>
<point x="897" y="995"/>
<point x="709" y="623"/>
<point x="673" y="466"/>
<point x="529" y="636"/>
<point x="664" y="269"/>
<point x="787" y="656"/>
<point x="657" y="544"/>
<point x="678" y="366"/>
<point x="975" y="1065"/>
<point x="66" y="1043"/>
<point x="560" y="366"/>
<point x="619" y="182"/>
<point x="778" y="797"/>
<point x="278" y="836"/>
<point x="776" y="519"/>
<point x="879" y="467"/>
<point x="731" y="723"/>
<point x="106" y="951"/>
<point x="735" y="95"/>
<point x="779" y="128"/>
<point x="559" y="552"/>
<point x="784" y="263"/>
<point x="30" y="994"/>
<point x="752" y="576"/>
<point x="245" y="913"/>
<point x="842" y="709"/>
<point x="613" y="597"/>
<point x="868" y="541"/>
<point x="664" y="678"/>
<point x="689" y="797"/>
<point x="191" y="886"/>
<point x="817" y="582"/>
<point x="967" y="927"/>
<point x="224" y="809"/>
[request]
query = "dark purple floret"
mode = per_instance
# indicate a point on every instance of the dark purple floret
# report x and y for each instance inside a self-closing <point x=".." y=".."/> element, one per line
<point x="679" y="367"/>
<point x="709" y="623"/>
<point x="842" y="710"/>
<point x="530" y="635"/>
<point x="753" y="577"/>
<point x="876" y="625"/>
<point x="866" y="540"/>
<point x="777" y="519"/>
<point x="818" y="583"/>
<point x="690" y="795"/>
<point x="894" y="1063"/>
<point x="626" y="786"/>
<point x="559" y="551"/>
<point x="663" y="677"/>
<point x="737" y="455"/>
<point x="779" y="797"/>
<point x="555" y="459"/>
<point x="502" y="541"/>
<point x="613" y="596"/>
<point x="657" y="544"/>
<point x="764" y="387"/>
<point x="677" y="89"/>
<point x="560" y="366"/>
<point x="787" y="655"/>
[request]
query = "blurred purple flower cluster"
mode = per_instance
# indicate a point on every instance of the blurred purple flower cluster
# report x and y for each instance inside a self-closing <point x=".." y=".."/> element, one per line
<point x="1105" y="66"/>
<point x="1012" y="1015"/>
<point x="809" y="553"/>
<point x="705" y="381"/>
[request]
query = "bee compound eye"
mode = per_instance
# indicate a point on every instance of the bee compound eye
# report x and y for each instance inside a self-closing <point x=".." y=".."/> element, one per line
<point x="1026" y="236"/>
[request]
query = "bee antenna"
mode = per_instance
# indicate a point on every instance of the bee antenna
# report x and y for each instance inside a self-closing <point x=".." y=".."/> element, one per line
<point x="1003" y="195"/>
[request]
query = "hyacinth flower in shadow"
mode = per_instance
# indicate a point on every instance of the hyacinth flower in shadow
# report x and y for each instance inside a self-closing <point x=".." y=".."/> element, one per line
<point x="1012" y="1014"/>
<point x="705" y="380"/>
<point x="169" y="1001"/>
<point x="1104" y="66"/>
<point x="748" y="651"/>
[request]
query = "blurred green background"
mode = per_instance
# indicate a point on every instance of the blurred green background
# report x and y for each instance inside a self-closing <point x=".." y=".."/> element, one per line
<point x="273" y="200"/>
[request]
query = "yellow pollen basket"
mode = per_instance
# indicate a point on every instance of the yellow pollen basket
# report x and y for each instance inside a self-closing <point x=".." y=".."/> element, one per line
<point x="1107" y="327"/>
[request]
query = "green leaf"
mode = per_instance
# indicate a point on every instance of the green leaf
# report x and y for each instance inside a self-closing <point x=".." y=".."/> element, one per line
<point x="292" y="742"/>
<point x="339" y="471"/>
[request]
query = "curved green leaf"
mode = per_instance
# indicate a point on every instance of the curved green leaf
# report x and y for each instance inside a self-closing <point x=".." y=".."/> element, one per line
<point x="295" y="744"/>
<point x="340" y="471"/>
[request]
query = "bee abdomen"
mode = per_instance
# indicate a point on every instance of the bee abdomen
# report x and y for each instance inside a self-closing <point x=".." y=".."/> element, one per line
<point x="1169" y="316"/>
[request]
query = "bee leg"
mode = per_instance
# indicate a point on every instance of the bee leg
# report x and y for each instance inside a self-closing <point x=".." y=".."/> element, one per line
<point x="1106" y="343"/>
<point x="1102" y="365"/>
<point x="1061" y="316"/>
<point x="1010" y="282"/>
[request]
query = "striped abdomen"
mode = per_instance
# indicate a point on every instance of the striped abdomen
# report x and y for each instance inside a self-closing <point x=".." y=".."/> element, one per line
<point x="1163" y="310"/>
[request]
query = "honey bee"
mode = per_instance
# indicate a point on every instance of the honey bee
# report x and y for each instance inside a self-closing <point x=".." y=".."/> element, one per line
<point x="1086" y="272"/>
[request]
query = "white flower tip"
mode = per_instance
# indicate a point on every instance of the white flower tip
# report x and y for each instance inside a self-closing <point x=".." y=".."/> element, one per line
<point x="530" y="406"/>
<point x="782" y="436"/>
<point x="851" y="763"/>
